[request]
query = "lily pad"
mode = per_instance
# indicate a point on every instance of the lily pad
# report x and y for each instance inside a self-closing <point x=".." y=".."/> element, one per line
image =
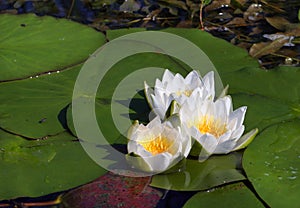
<point x="196" y="176"/>
<point x="280" y="84"/>
<point x="39" y="167"/>
<point x="112" y="190"/>
<point x="257" y="115"/>
<point x="223" y="55"/>
<point x="272" y="164"/>
<point x="31" y="45"/>
<point x="36" y="107"/>
<point x="234" y="195"/>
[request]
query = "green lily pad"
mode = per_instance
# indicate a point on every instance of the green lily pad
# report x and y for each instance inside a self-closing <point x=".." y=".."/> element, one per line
<point x="223" y="55"/>
<point x="272" y="164"/>
<point x="38" y="167"/>
<point x="196" y="176"/>
<point x="31" y="45"/>
<point x="36" y="107"/>
<point x="257" y="115"/>
<point x="234" y="195"/>
<point x="280" y="84"/>
<point x="248" y="84"/>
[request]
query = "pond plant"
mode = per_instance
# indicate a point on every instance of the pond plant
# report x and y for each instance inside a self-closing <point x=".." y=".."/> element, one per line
<point x="203" y="146"/>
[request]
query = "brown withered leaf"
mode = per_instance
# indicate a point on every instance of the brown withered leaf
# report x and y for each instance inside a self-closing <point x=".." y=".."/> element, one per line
<point x="176" y="3"/>
<point x="265" y="48"/>
<point x="294" y="32"/>
<point x="287" y="52"/>
<point x="216" y="5"/>
<point x="283" y="24"/>
<point x="254" y="13"/>
<point x="255" y="31"/>
<point x="239" y="2"/>
<point x="185" y="24"/>
<point x="237" y="22"/>
<point x="279" y="23"/>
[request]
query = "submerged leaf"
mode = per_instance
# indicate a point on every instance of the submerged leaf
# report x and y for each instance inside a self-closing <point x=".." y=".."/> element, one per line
<point x="265" y="48"/>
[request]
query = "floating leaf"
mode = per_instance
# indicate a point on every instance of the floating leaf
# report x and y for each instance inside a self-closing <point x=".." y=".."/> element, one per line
<point x="113" y="190"/>
<point x="215" y="4"/>
<point x="272" y="164"/>
<point x="30" y="47"/>
<point x="215" y="171"/>
<point x="260" y="49"/>
<point x="281" y="23"/>
<point x="234" y="195"/>
<point x="36" y="107"/>
<point x="39" y="167"/>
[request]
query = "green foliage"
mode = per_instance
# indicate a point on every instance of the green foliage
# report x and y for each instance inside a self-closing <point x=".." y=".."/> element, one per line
<point x="272" y="164"/>
<point x="234" y="195"/>
<point x="205" y="2"/>
<point x="38" y="108"/>
<point x="38" y="71"/>
<point x="196" y="176"/>
<point x="39" y="167"/>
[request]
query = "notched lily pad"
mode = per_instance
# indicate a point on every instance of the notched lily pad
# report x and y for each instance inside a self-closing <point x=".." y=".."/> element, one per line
<point x="39" y="167"/>
<point x="36" y="107"/>
<point x="272" y="164"/>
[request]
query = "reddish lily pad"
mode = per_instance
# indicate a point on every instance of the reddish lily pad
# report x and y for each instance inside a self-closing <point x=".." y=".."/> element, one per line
<point x="113" y="190"/>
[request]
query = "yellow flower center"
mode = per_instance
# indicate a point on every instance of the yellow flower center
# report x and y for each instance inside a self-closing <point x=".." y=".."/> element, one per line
<point x="158" y="145"/>
<point x="185" y="92"/>
<point x="209" y="124"/>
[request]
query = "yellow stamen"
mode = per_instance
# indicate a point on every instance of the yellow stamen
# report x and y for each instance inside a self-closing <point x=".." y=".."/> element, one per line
<point x="158" y="145"/>
<point x="209" y="124"/>
<point x="185" y="92"/>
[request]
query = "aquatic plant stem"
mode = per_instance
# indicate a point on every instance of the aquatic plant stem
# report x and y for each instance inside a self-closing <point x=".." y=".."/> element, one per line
<point x="71" y="9"/>
<point x="200" y="15"/>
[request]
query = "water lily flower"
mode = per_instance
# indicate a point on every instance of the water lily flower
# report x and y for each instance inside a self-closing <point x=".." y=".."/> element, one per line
<point x="159" y="145"/>
<point x="175" y="87"/>
<point x="215" y="125"/>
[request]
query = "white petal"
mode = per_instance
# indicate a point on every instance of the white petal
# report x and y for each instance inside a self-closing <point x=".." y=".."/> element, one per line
<point x="220" y="110"/>
<point x="148" y="92"/>
<point x="225" y="147"/>
<point x="159" y="85"/>
<point x="237" y="133"/>
<point x="239" y="115"/>
<point x="209" y="83"/>
<point x="132" y="129"/>
<point x="208" y="142"/>
<point x="159" y="162"/>
<point x="167" y="76"/>
<point x="156" y="122"/>
<point x="192" y="80"/>
<point x="186" y="141"/>
<point x="226" y="136"/>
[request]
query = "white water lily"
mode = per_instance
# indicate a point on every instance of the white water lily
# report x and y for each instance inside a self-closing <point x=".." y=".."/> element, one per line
<point x="159" y="145"/>
<point x="215" y="125"/>
<point x="175" y="87"/>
